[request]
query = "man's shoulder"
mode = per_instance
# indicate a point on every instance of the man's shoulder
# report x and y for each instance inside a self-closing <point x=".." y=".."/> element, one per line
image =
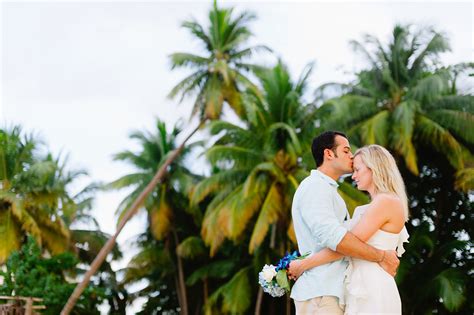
<point x="314" y="185"/>
<point x="311" y="180"/>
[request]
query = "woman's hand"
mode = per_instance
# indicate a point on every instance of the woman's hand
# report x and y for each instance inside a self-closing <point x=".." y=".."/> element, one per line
<point x="296" y="268"/>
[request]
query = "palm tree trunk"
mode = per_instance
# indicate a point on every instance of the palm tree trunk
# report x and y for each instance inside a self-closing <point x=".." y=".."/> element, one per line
<point x="273" y="236"/>
<point x="206" y="289"/>
<point x="178" y="291"/>
<point x="258" y="305"/>
<point x="130" y="213"/>
<point x="182" y="285"/>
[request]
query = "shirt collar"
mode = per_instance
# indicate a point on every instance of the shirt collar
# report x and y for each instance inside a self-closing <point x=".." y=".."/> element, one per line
<point x="326" y="178"/>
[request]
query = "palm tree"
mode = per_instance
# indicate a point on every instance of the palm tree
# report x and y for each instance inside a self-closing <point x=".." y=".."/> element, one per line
<point x="405" y="100"/>
<point x="219" y="74"/>
<point x="260" y="167"/>
<point x="33" y="194"/>
<point x="225" y="37"/>
<point x="164" y="204"/>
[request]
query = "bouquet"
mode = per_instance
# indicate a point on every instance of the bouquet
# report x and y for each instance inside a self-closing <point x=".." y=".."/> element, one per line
<point x="273" y="279"/>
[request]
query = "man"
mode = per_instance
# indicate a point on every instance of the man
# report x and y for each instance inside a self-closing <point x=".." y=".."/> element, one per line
<point x="318" y="213"/>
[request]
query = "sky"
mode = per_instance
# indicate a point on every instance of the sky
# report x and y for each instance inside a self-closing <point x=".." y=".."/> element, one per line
<point x="83" y="75"/>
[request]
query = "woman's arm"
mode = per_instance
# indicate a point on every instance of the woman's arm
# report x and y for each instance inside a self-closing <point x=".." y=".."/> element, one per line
<point x="375" y="217"/>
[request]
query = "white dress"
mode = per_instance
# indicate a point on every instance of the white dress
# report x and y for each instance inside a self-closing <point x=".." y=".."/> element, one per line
<point x="368" y="288"/>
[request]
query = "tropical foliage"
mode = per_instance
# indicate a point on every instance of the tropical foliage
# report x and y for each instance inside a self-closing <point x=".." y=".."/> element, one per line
<point x="209" y="231"/>
<point x="219" y="74"/>
<point x="406" y="100"/>
<point x="27" y="273"/>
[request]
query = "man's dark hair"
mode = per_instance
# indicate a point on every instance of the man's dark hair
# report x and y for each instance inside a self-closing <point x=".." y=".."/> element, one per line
<point x="326" y="140"/>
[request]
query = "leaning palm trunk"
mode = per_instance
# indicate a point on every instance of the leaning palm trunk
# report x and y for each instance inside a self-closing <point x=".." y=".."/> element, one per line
<point x="130" y="213"/>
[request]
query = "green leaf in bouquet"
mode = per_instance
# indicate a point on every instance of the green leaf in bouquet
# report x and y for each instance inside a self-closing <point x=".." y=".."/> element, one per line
<point x="282" y="280"/>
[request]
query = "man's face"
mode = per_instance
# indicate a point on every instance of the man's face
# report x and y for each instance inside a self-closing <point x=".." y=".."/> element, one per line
<point x="342" y="160"/>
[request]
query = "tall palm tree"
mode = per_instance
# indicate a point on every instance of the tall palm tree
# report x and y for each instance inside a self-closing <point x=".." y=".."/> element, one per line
<point x="260" y="167"/>
<point x="408" y="102"/>
<point x="405" y="100"/>
<point x="223" y="41"/>
<point x="163" y="204"/>
<point x="219" y="74"/>
<point x="33" y="194"/>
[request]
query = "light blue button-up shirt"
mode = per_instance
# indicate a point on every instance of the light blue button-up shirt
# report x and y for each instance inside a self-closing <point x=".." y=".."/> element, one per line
<point x="318" y="213"/>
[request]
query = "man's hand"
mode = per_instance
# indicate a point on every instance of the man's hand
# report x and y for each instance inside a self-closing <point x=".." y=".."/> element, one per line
<point x="390" y="262"/>
<point x="295" y="269"/>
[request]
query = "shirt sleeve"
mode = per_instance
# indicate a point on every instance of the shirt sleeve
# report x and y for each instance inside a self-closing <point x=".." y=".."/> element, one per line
<point x="317" y="211"/>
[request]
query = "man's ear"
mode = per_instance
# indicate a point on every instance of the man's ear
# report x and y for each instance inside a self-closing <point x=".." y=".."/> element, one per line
<point x="328" y="153"/>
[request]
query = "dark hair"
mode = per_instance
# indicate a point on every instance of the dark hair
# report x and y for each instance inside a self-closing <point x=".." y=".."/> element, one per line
<point x="326" y="140"/>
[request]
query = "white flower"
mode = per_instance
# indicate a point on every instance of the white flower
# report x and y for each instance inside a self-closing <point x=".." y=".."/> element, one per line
<point x="268" y="272"/>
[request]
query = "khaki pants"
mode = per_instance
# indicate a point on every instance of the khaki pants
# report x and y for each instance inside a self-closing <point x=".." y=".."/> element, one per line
<point x="321" y="305"/>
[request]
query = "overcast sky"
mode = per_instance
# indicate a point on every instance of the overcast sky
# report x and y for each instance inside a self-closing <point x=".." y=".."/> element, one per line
<point x="85" y="74"/>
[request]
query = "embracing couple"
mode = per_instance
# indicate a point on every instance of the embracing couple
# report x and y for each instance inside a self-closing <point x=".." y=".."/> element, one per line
<point x="354" y="260"/>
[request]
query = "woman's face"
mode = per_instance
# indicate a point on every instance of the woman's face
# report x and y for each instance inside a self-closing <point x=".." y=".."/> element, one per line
<point x="362" y="175"/>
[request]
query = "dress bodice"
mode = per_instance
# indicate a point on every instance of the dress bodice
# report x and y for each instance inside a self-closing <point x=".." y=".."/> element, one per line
<point x="368" y="288"/>
<point x="381" y="239"/>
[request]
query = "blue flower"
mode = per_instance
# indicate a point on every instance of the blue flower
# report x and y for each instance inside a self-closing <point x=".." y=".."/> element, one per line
<point x="285" y="261"/>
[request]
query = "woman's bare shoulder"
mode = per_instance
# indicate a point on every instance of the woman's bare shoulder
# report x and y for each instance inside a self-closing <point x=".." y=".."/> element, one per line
<point x="387" y="202"/>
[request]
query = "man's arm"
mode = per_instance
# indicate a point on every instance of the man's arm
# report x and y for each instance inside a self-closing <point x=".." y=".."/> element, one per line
<point x="317" y="211"/>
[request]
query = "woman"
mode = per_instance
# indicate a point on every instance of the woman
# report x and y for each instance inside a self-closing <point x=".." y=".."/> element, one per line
<point x="381" y="223"/>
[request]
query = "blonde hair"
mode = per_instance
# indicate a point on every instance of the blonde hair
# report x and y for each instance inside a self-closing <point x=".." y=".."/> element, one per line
<point x="385" y="173"/>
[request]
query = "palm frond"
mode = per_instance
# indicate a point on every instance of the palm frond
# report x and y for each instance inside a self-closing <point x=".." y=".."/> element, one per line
<point x="160" y="217"/>
<point x="462" y="103"/>
<point x="11" y="235"/>
<point x="465" y="179"/>
<point x="341" y="113"/>
<point x="188" y="60"/>
<point x="375" y="130"/>
<point x="240" y="156"/>
<point x="438" y="44"/>
<point x="215" y="183"/>
<point x="450" y="285"/>
<point x="237" y="293"/>
<point x="428" y="131"/>
<point x="404" y="115"/>
<point x="459" y="123"/>
<point x="213" y="97"/>
<point x="191" y="248"/>
<point x="188" y="85"/>
<point x="129" y="180"/>
<point x="431" y="87"/>
<point x="249" y="52"/>
<point x="211" y="232"/>
<point x="272" y="209"/>
<point x="219" y="269"/>
<point x="196" y="29"/>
